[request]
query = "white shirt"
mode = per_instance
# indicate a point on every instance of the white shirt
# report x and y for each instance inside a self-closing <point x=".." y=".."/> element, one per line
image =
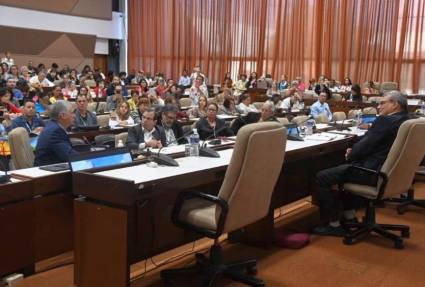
<point x="169" y="135"/>
<point x="244" y="109"/>
<point x="114" y="123"/>
<point x="45" y="82"/>
<point x="147" y="136"/>
<point x="9" y="61"/>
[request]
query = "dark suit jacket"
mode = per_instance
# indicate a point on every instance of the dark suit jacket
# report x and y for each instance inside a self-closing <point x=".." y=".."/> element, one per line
<point x="53" y="145"/>
<point x="136" y="136"/>
<point x="206" y="131"/>
<point x="177" y="128"/>
<point x="372" y="150"/>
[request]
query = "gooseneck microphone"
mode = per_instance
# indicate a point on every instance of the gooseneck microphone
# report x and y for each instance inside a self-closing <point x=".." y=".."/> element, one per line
<point x="209" y="152"/>
<point x="163" y="159"/>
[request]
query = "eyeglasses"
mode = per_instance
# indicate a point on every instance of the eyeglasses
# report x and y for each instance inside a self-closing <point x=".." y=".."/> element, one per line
<point x="212" y="110"/>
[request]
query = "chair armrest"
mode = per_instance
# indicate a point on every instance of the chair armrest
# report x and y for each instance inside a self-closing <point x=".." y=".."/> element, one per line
<point x="186" y="195"/>
<point x="374" y="172"/>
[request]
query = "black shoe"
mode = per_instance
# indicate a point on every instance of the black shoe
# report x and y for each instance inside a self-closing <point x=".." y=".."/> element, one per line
<point x="330" y="231"/>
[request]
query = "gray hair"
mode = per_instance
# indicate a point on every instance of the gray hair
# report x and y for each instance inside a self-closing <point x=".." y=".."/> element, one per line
<point x="169" y="108"/>
<point x="397" y="97"/>
<point x="58" y="108"/>
<point x="270" y="105"/>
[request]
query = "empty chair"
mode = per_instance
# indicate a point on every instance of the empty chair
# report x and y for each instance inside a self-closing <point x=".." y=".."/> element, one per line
<point x="100" y="107"/>
<point x="185" y="102"/>
<point x="107" y="140"/>
<point x="322" y="119"/>
<point x="309" y="95"/>
<point x="393" y="179"/>
<point x="299" y="120"/>
<point x="122" y="137"/>
<point x="103" y="120"/>
<point x="22" y="155"/>
<point x="283" y="121"/>
<point x="248" y="185"/>
<point x="339" y="116"/>
<point x="376" y="100"/>
<point x="92" y="107"/>
<point x="370" y="111"/>
<point x="353" y="113"/>
<point x="389" y="86"/>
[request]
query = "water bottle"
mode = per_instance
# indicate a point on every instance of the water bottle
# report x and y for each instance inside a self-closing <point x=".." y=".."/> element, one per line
<point x="423" y="107"/>
<point x="359" y="119"/>
<point x="310" y="125"/>
<point x="120" y="143"/>
<point x="194" y="143"/>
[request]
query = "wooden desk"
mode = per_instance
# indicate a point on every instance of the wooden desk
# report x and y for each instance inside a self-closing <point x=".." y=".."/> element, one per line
<point x="124" y="218"/>
<point x="90" y="135"/>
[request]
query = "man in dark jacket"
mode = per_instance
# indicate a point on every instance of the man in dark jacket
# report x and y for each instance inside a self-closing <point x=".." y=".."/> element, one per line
<point x="370" y="152"/>
<point x="147" y="133"/>
<point x="173" y="129"/>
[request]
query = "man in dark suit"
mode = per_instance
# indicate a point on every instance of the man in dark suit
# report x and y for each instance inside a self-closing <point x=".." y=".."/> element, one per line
<point x="147" y="134"/>
<point x="53" y="144"/>
<point x="173" y="129"/>
<point x="370" y="152"/>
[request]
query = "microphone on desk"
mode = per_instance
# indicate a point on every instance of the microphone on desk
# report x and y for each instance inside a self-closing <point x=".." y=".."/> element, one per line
<point x="163" y="159"/>
<point x="209" y="152"/>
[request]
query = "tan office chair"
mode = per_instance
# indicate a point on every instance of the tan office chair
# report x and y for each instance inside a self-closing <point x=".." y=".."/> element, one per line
<point x="299" y="120"/>
<point x="121" y="136"/>
<point x="322" y="119"/>
<point x="283" y="121"/>
<point x="394" y="178"/>
<point x="339" y="116"/>
<point x="22" y="155"/>
<point x="244" y="198"/>
<point x="258" y="105"/>
<point x="101" y="107"/>
<point x="90" y="83"/>
<point x="92" y="106"/>
<point x="353" y="113"/>
<point x="370" y="111"/>
<point x="389" y="86"/>
<point x="375" y="100"/>
<point x="103" y="120"/>
<point x="185" y="102"/>
<point x="336" y="97"/>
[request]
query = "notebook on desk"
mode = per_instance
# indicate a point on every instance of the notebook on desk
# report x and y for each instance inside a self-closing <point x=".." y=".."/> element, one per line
<point x="97" y="159"/>
<point x="368" y="119"/>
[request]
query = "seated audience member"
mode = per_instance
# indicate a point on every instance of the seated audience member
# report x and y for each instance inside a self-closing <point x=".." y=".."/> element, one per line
<point x="162" y="88"/>
<point x="121" y="116"/>
<point x="132" y="102"/>
<point x="273" y="89"/>
<point x="346" y="86"/>
<point x="29" y="119"/>
<point x="267" y="113"/>
<point x="240" y="85"/>
<point x="6" y="101"/>
<point x="116" y="81"/>
<point x="228" y="107"/>
<point x="227" y="81"/>
<point x="184" y="81"/>
<point x="40" y="80"/>
<point x="146" y="134"/>
<point x="201" y="110"/>
<point x="113" y="100"/>
<point x="53" y="76"/>
<point x="8" y="59"/>
<point x="245" y="106"/>
<point x="292" y="102"/>
<point x="197" y="90"/>
<point x="173" y="129"/>
<point x="144" y="87"/>
<point x="142" y="105"/>
<point x="11" y="86"/>
<point x="100" y="90"/>
<point x="54" y="145"/>
<point x="275" y="101"/>
<point x="371" y="88"/>
<point x="252" y="81"/>
<point x="56" y="95"/>
<point x="83" y="117"/>
<point x="70" y="90"/>
<point x="321" y="107"/>
<point x="211" y="126"/>
<point x="25" y="74"/>
<point x="301" y="86"/>
<point x="196" y="72"/>
<point x="356" y="93"/>
<point x="283" y="84"/>
<point x="42" y="105"/>
<point x="370" y="152"/>
<point x="333" y="87"/>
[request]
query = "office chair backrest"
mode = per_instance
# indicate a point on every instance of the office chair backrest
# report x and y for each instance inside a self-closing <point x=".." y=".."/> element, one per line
<point x="105" y="139"/>
<point x="258" y="105"/>
<point x="322" y="119"/>
<point x="404" y="157"/>
<point x="283" y="121"/>
<point x="185" y="102"/>
<point x="339" y="116"/>
<point x="336" y="97"/>
<point x="101" y="107"/>
<point x="299" y="120"/>
<point x="370" y="111"/>
<point x="92" y="106"/>
<point x="252" y="173"/>
<point x="20" y="149"/>
<point x="389" y="86"/>
<point x="353" y="113"/>
<point x="103" y="120"/>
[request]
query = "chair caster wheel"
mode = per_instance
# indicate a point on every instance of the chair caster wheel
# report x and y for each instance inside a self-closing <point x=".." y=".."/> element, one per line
<point x="251" y="270"/>
<point x="348" y="241"/>
<point x="399" y="244"/>
<point x="405" y="233"/>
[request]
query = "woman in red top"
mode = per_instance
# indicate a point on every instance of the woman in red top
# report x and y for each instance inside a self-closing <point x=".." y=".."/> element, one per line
<point x="5" y="101"/>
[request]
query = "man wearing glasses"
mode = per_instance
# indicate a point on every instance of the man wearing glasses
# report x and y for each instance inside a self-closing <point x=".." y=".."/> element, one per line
<point x="370" y="152"/>
<point x="146" y="134"/>
<point x="83" y="117"/>
<point x="173" y="129"/>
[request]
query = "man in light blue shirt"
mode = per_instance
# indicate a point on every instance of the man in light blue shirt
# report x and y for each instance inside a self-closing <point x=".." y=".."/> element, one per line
<point x="321" y="107"/>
